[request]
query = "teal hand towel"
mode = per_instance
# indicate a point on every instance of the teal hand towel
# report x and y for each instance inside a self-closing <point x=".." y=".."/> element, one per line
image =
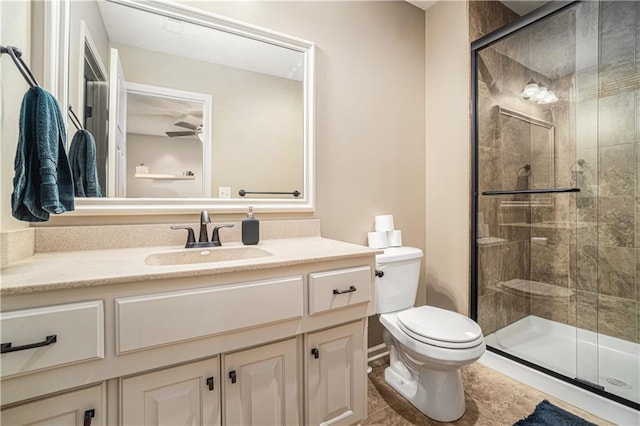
<point x="82" y="158"/>
<point x="42" y="183"/>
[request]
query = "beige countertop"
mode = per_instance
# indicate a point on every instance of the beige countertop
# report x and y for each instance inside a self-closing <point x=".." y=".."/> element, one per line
<point x="74" y="269"/>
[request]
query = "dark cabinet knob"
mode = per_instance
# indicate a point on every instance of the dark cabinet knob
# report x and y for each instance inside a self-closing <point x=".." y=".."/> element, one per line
<point x="88" y="415"/>
<point x="232" y="376"/>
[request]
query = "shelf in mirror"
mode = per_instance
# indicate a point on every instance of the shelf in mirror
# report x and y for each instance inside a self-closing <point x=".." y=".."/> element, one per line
<point x="163" y="176"/>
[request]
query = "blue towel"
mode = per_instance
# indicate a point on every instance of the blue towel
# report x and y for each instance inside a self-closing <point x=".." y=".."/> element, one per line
<point x="42" y="183"/>
<point x="82" y="158"/>
<point x="547" y="414"/>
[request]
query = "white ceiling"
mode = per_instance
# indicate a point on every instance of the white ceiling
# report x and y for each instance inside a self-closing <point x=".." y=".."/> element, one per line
<point x="155" y="115"/>
<point x="521" y="7"/>
<point x="158" y="33"/>
<point x="422" y="4"/>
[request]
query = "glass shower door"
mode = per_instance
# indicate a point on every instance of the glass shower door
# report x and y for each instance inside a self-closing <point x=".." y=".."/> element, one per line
<point x="533" y="153"/>
<point x="584" y="175"/>
<point x="557" y="195"/>
<point x="612" y="305"/>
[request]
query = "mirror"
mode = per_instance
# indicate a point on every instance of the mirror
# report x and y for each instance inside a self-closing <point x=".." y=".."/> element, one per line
<point x="187" y="109"/>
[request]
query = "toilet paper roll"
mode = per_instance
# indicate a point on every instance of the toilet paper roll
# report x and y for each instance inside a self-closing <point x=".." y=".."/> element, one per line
<point x="384" y="223"/>
<point x="394" y="238"/>
<point x="377" y="239"/>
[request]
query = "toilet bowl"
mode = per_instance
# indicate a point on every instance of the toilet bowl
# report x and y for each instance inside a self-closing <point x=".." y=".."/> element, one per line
<point x="427" y="345"/>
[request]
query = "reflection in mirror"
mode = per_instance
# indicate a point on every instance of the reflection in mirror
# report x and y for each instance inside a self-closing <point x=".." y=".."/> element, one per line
<point x="253" y="88"/>
<point x="167" y="141"/>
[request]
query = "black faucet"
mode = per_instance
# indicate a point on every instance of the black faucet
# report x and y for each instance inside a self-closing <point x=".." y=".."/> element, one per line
<point x="215" y="237"/>
<point x="204" y="219"/>
<point x="203" y="240"/>
<point x="191" y="238"/>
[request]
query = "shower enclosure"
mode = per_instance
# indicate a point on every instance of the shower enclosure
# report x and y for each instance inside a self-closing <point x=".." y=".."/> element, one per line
<point x="556" y="193"/>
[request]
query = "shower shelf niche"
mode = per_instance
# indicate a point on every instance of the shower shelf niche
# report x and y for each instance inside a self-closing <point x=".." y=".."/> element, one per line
<point x="163" y="176"/>
<point x="534" y="288"/>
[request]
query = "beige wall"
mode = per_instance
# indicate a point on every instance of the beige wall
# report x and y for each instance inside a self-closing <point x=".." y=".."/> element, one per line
<point x="88" y="12"/>
<point x="369" y="108"/>
<point x="14" y="31"/>
<point x="447" y="156"/>
<point x="164" y="156"/>
<point x="370" y="113"/>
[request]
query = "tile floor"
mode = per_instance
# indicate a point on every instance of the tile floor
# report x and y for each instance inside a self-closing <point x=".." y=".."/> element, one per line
<point x="491" y="397"/>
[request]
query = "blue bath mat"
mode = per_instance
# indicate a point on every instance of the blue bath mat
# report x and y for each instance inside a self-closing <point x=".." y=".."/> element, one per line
<point x="547" y="414"/>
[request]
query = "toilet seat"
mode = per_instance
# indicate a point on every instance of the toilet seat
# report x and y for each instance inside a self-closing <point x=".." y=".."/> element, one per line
<point x="440" y="327"/>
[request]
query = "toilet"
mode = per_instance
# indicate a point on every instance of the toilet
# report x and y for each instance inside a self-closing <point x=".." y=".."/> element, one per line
<point x="427" y="345"/>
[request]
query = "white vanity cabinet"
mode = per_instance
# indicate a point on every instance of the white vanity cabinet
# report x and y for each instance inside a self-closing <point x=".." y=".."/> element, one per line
<point x="282" y="345"/>
<point x="336" y="363"/>
<point x="182" y="395"/>
<point x="261" y="385"/>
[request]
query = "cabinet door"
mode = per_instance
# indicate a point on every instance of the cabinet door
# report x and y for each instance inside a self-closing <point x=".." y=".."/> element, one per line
<point x="261" y="385"/>
<point x="336" y="385"/>
<point x="78" y="408"/>
<point x="185" y="395"/>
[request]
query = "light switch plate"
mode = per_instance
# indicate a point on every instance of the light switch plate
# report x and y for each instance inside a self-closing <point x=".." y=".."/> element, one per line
<point x="224" y="192"/>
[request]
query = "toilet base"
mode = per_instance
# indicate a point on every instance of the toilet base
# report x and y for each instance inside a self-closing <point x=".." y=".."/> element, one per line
<point x="437" y="394"/>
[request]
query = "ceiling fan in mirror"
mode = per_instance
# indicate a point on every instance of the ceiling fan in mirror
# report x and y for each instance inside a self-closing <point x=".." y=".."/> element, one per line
<point x="194" y="130"/>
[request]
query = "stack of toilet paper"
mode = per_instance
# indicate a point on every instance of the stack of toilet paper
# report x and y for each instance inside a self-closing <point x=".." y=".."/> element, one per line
<point x="385" y="234"/>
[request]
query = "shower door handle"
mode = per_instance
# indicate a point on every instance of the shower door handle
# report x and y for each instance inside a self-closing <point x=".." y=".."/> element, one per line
<point x="531" y="191"/>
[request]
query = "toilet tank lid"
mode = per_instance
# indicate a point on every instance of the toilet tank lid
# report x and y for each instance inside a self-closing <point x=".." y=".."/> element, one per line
<point x="397" y="254"/>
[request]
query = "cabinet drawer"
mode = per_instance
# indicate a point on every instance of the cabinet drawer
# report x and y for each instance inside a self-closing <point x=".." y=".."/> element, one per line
<point x="83" y="406"/>
<point x="163" y="318"/>
<point x="338" y="289"/>
<point x="78" y="329"/>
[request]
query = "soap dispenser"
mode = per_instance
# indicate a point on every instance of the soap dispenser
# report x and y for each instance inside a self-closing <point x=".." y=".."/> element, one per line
<point x="250" y="229"/>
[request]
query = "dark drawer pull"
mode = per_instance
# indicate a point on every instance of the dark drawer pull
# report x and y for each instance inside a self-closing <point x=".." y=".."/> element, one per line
<point x="379" y="273"/>
<point x="6" y="347"/>
<point x="315" y="352"/>
<point x="88" y="415"/>
<point x="232" y="376"/>
<point x="210" y="383"/>
<point x="351" y="289"/>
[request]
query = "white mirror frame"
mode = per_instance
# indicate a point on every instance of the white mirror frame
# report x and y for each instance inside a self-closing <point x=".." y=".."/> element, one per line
<point x="56" y="48"/>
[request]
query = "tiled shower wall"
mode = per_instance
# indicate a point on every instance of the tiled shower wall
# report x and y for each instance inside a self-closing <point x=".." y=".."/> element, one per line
<point x="605" y="260"/>
<point x="576" y="259"/>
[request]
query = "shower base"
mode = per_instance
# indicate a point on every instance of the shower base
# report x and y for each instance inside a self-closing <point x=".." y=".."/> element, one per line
<point x="576" y="353"/>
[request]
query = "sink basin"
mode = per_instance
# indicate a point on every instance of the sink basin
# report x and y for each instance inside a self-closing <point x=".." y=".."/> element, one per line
<point x="213" y="254"/>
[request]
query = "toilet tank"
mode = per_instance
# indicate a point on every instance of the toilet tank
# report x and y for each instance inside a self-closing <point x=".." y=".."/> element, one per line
<point x="397" y="288"/>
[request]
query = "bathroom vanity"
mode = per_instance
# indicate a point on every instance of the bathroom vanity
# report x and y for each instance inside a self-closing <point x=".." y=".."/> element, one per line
<point x="275" y="339"/>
